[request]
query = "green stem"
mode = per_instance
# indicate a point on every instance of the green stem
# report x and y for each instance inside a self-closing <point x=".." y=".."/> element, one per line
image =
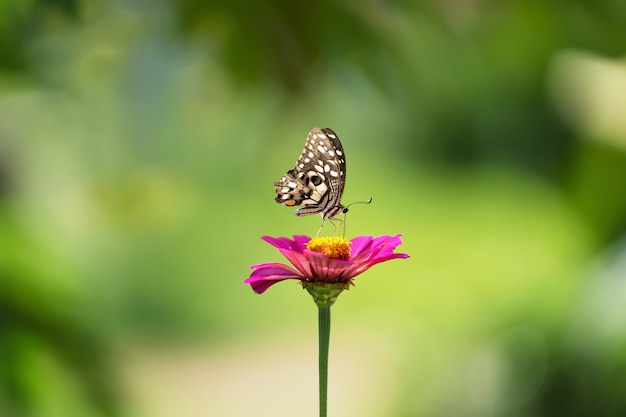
<point x="324" y="341"/>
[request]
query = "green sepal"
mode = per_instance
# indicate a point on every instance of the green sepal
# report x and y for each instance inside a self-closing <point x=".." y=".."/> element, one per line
<point x="324" y="294"/>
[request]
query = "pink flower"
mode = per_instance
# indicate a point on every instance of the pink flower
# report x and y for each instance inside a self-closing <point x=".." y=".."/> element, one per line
<point x="323" y="260"/>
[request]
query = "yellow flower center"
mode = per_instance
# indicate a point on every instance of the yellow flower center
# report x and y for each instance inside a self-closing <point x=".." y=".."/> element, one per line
<point x="333" y="247"/>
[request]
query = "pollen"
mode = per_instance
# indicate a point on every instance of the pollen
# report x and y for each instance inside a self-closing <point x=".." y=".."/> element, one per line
<point x="333" y="247"/>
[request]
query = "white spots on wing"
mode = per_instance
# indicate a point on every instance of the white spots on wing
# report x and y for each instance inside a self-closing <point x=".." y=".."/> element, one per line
<point x="291" y="184"/>
<point x="300" y="166"/>
<point x="319" y="168"/>
<point x="326" y="168"/>
<point x="307" y="160"/>
<point x="286" y="196"/>
<point x="333" y="173"/>
<point x="321" y="149"/>
<point x="285" y="190"/>
<point x="339" y="152"/>
<point x="331" y="153"/>
<point x="311" y="155"/>
<point x="332" y="136"/>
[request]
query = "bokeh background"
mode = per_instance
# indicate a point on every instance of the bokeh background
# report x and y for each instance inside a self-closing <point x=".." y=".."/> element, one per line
<point x="139" y="143"/>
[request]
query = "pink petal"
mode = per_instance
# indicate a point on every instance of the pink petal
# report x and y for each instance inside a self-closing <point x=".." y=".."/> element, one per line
<point x="380" y="246"/>
<point x="298" y="244"/>
<point x="328" y="269"/>
<point x="266" y="275"/>
<point x="360" y="244"/>
<point x="360" y="267"/>
<point x="260" y="287"/>
<point x="301" y="241"/>
<point x="299" y="260"/>
<point x="279" y="242"/>
<point x="268" y="266"/>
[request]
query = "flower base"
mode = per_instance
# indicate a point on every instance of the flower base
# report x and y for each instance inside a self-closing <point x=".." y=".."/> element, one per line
<point x="324" y="294"/>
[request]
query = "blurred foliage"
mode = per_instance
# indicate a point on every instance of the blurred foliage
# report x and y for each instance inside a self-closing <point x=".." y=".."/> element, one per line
<point x="468" y="78"/>
<point x="47" y="350"/>
<point x="21" y="22"/>
<point x="138" y="146"/>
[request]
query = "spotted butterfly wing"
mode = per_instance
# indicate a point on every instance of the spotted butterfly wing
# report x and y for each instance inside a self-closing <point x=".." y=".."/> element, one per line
<point x="316" y="182"/>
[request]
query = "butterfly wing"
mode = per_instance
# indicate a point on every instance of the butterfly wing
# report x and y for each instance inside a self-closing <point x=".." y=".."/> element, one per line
<point x="316" y="182"/>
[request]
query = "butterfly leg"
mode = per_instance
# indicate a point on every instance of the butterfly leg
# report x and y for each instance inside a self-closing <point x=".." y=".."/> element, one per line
<point x="334" y="221"/>
<point x="321" y="226"/>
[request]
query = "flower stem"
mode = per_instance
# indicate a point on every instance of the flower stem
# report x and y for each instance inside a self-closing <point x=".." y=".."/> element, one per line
<point x="324" y="341"/>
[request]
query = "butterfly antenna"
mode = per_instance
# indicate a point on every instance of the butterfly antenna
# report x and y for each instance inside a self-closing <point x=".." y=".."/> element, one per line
<point x="358" y="202"/>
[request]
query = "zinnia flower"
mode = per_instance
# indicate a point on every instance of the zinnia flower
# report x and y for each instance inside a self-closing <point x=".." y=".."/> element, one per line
<point x="322" y="261"/>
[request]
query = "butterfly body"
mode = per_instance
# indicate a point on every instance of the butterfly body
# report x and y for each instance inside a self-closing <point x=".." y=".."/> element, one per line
<point x="316" y="182"/>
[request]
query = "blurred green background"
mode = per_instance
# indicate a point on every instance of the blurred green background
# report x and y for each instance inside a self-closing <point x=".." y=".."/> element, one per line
<point x="139" y="143"/>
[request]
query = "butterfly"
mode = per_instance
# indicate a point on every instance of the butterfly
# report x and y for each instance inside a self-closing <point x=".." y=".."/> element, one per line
<point x="316" y="182"/>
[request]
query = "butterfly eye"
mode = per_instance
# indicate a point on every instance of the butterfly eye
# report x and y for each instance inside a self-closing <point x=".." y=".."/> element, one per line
<point x="316" y="180"/>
